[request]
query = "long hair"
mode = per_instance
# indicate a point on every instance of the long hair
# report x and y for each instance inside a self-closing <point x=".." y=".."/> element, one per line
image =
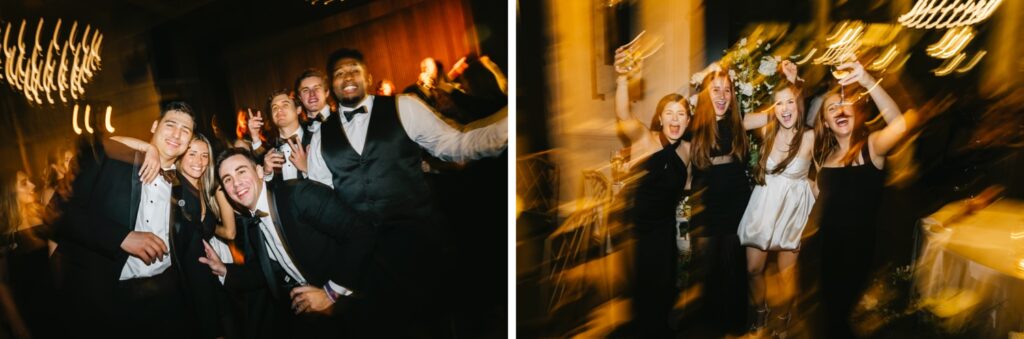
<point x="10" y="216"/>
<point x="207" y="182"/>
<point x="665" y="100"/>
<point x="705" y="127"/>
<point x="772" y="131"/>
<point x="825" y="141"/>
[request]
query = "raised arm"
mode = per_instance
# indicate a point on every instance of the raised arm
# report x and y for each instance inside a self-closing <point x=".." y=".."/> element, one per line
<point x="624" y="118"/>
<point x="446" y="142"/>
<point x="887" y="107"/>
<point x="151" y="165"/>
<point x="756" y="120"/>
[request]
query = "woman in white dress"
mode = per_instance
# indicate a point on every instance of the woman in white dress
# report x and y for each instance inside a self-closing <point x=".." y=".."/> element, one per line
<point x="780" y="203"/>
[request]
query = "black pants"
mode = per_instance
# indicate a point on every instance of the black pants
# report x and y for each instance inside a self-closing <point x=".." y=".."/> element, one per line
<point x="153" y="307"/>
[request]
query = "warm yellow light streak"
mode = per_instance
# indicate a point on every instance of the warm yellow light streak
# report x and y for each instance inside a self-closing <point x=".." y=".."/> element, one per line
<point x="948" y="66"/>
<point x="86" y="120"/>
<point x="940" y="14"/>
<point x="843" y="44"/>
<point x="63" y="67"/>
<point x="807" y="57"/>
<point x="974" y="61"/>
<point x="110" y="128"/>
<point x="74" y="121"/>
<point x="884" y="61"/>
<point x="952" y="43"/>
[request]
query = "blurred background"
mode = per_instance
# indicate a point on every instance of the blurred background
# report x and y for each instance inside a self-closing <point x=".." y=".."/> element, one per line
<point x="573" y="254"/>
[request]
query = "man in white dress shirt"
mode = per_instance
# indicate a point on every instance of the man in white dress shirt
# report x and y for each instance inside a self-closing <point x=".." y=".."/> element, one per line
<point x="123" y="273"/>
<point x="285" y="154"/>
<point x="370" y="153"/>
<point x="314" y="93"/>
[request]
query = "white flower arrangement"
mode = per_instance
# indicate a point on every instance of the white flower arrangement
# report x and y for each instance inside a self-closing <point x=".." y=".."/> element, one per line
<point x="746" y="88"/>
<point x="768" y="66"/>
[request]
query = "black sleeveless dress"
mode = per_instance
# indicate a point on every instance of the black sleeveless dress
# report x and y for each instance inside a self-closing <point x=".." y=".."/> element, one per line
<point x="653" y="213"/>
<point x="721" y="193"/>
<point x="31" y="281"/>
<point x="845" y="211"/>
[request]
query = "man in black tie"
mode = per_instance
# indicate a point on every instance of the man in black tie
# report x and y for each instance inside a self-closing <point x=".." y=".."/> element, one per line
<point x="284" y="156"/>
<point x="305" y="252"/>
<point x="371" y="155"/>
<point x="123" y="243"/>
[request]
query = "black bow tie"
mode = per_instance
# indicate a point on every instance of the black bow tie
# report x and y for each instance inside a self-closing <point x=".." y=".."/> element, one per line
<point x="170" y="176"/>
<point x="352" y="113"/>
<point x="319" y="118"/>
<point x="284" y="141"/>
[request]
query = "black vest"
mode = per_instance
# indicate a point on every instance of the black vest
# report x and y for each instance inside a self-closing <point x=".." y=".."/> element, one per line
<point x="386" y="182"/>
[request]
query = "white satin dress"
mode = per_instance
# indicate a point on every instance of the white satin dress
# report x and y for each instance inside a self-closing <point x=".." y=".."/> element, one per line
<point x="778" y="210"/>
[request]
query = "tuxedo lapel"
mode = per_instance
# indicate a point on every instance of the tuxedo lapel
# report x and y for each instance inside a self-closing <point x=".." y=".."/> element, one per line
<point x="276" y="216"/>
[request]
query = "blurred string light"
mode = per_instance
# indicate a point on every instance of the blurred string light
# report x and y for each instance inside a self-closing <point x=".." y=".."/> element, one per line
<point x="86" y="121"/>
<point x="842" y="43"/>
<point x="64" y="68"/>
<point x="974" y="61"/>
<point x="947" y="67"/>
<point x="941" y="14"/>
<point x="323" y="2"/>
<point x="952" y="43"/>
<point x="885" y="60"/>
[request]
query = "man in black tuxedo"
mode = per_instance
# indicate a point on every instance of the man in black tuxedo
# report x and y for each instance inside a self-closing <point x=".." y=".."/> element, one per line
<point x="305" y="252"/>
<point x="284" y="156"/>
<point x="124" y="243"/>
<point x="370" y="153"/>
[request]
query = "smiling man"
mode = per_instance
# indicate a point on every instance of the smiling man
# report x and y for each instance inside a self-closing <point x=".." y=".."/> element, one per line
<point x="122" y="242"/>
<point x="370" y="153"/>
<point x="305" y="251"/>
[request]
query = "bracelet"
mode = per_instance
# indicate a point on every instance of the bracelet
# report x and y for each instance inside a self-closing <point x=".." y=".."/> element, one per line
<point x="331" y="294"/>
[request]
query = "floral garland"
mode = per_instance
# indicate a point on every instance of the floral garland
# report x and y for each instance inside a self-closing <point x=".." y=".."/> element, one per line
<point x="751" y="69"/>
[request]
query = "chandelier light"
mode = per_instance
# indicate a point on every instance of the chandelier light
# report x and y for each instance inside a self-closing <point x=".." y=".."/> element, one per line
<point x="941" y="14"/>
<point x="63" y="67"/>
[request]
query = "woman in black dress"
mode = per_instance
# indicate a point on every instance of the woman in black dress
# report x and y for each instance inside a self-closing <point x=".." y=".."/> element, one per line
<point x="658" y="160"/>
<point x="27" y="255"/>
<point x="720" y="194"/>
<point x="850" y="180"/>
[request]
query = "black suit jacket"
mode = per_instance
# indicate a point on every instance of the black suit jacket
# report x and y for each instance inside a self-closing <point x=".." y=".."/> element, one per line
<point x="326" y="240"/>
<point x="101" y="213"/>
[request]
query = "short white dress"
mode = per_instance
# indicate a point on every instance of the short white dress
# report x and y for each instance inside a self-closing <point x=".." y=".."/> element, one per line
<point x="778" y="210"/>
